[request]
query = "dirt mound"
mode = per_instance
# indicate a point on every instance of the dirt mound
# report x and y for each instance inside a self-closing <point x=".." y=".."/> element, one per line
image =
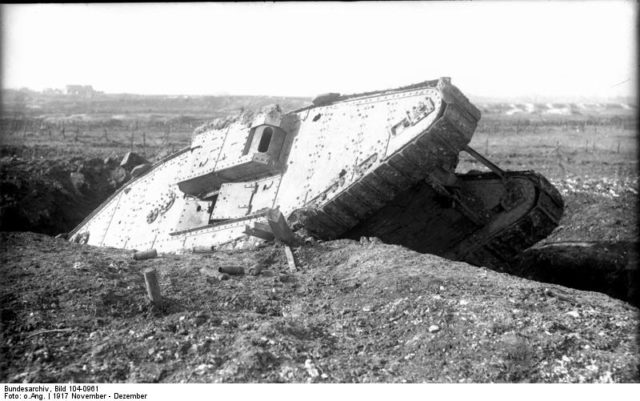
<point x="353" y="313"/>
<point x="53" y="195"/>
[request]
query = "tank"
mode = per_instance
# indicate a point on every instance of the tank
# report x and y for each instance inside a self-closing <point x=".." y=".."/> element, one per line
<point x="376" y="164"/>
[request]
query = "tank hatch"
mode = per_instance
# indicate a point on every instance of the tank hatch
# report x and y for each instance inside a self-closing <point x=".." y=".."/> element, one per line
<point x="238" y="152"/>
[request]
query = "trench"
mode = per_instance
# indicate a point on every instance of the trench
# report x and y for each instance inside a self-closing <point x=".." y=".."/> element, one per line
<point x="409" y="220"/>
<point x="601" y="266"/>
<point x="606" y="267"/>
<point x="53" y="196"/>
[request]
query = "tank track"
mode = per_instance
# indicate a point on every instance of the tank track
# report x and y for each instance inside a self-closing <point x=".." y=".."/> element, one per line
<point x="499" y="249"/>
<point x="437" y="147"/>
<point x="469" y="222"/>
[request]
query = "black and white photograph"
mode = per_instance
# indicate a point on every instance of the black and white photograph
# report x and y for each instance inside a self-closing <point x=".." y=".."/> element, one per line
<point x="317" y="192"/>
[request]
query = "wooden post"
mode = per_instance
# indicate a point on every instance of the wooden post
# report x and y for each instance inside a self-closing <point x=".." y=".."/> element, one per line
<point x="291" y="260"/>
<point x="283" y="233"/>
<point x="563" y="171"/>
<point x="153" y="288"/>
<point x="279" y="227"/>
<point x="259" y="230"/>
<point x="167" y="130"/>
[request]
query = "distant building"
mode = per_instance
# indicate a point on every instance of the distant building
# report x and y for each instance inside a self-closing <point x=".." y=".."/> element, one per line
<point x="81" y="90"/>
<point x="52" y="91"/>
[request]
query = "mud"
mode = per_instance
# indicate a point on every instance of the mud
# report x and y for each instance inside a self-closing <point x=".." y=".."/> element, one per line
<point x="354" y="312"/>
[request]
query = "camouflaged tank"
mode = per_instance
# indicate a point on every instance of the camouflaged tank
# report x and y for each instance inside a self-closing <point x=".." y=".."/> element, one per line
<point x="377" y="164"/>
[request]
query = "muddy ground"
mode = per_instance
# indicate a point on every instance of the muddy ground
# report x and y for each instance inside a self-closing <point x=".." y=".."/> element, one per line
<point x="354" y="312"/>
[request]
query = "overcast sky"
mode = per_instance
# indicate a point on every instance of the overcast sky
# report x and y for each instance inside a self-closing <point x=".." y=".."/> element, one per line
<point x="499" y="49"/>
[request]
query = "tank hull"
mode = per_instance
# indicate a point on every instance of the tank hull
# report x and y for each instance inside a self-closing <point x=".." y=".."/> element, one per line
<point x="341" y="167"/>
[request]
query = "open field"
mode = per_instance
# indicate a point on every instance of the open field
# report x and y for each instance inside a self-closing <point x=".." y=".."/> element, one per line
<point x="354" y="312"/>
<point x="59" y="126"/>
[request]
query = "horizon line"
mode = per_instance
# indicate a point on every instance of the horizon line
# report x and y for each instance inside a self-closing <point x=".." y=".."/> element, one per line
<point x="482" y="97"/>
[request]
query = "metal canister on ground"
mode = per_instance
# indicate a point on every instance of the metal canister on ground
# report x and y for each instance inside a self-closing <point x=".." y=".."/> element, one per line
<point x="202" y="249"/>
<point x="234" y="270"/>
<point x="214" y="274"/>
<point x="148" y="254"/>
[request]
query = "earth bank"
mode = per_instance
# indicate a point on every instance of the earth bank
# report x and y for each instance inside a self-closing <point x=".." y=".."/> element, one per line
<point x="53" y="195"/>
<point x="354" y="312"/>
